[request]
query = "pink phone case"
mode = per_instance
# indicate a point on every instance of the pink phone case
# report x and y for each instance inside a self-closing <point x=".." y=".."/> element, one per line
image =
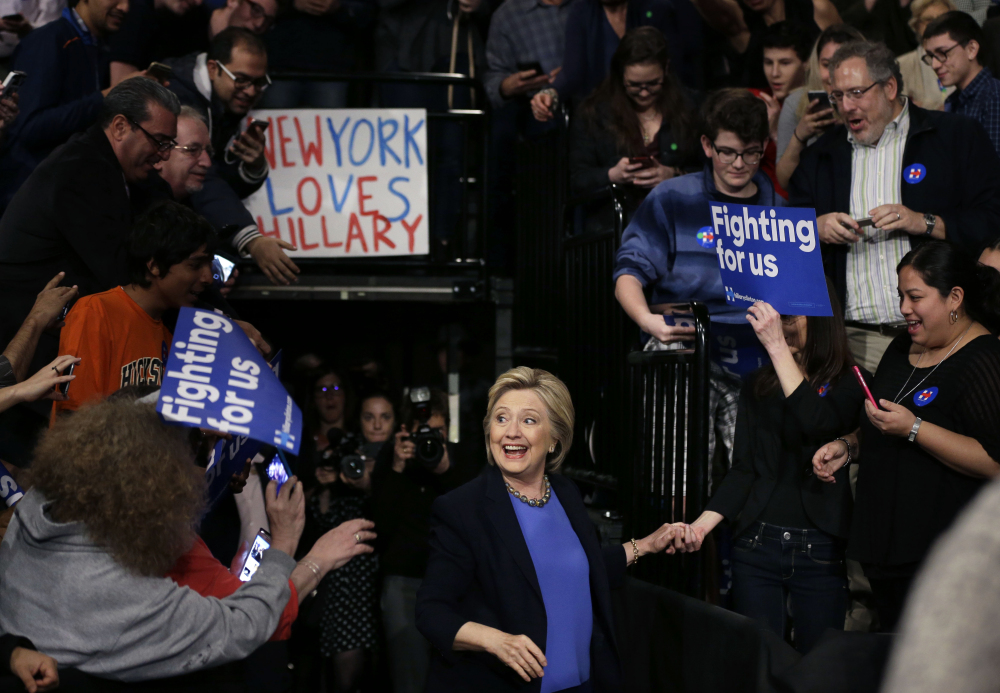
<point x="861" y="380"/>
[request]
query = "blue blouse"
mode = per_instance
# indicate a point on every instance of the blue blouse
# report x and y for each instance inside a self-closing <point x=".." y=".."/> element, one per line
<point x="564" y="576"/>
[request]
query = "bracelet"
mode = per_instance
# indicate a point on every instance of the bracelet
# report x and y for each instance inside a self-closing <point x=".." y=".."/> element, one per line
<point x="311" y="566"/>
<point x="795" y="134"/>
<point x="913" y="431"/>
<point x="848" y="444"/>
<point x="635" y="551"/>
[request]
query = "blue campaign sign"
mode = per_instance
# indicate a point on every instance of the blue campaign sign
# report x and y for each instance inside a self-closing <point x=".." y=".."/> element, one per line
<point x="230" y="455"/>
<point x="770" y="254"/>
<point x="215" y="378"/>
<point x="10" y="491"/>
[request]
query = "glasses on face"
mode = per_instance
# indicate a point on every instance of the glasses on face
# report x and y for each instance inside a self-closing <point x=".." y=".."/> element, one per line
<point x="258" y="12"/>
<point x="161" y="145"/>
<point x="940" y="55"/>
<point x="650" y="87"/>
<point x="329" y="391"/>
<point x="751" y="157"/>
<point x="244" y="82"/>
<point x="195" y="150"/>
<point x="851" y="94"/>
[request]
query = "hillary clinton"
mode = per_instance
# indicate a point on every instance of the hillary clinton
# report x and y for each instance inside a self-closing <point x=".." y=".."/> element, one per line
<point x="518" y="587"/>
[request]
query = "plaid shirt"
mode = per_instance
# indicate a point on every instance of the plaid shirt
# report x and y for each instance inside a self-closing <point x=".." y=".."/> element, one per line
<point x="524" y="31"/>
<point x="980" y="100"/>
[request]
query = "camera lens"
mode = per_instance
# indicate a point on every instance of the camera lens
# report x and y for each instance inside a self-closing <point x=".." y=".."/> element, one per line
<point x="353" y="466"/>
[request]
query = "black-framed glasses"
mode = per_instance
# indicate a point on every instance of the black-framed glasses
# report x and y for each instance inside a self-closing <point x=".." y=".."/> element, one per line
<point x="650" y="87"/>
<point x="852" y="94"/>
<point x="161" y="145"/>
<point x="244" y="82"/>
<point x="941" y="56"/>
<point x="751" y="157"/>
<point x="195" y="150"/>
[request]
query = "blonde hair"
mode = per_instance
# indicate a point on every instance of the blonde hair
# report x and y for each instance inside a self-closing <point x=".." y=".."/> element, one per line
<point x="917" y="8"/>
<point x="558" y="405"/>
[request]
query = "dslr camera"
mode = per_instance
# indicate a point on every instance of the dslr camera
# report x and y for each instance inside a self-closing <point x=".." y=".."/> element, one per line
<point x="343" y="454"/>
<point x="429" y="442"/>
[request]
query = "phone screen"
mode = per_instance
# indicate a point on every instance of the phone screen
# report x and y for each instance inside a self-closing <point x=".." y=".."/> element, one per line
<point x="250" y="565"/>
<point x="222" y="269"/>
<point x="278" y="471"/>
<point x="13" y="81"/>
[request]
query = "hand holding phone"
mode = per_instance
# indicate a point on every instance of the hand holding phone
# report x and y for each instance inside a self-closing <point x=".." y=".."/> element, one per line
<point x="643" y="161"/>
<point x="261" y="543"/>
<point x="864" y="386"/>
<point x="159" y="72"/>
<point x="822" y="97"/>
<point x="13" y="82"/>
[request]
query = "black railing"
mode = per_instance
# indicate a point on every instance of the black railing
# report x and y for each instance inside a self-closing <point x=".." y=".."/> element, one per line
<point x="462" y="248"/>
<point x="668" y="476"/>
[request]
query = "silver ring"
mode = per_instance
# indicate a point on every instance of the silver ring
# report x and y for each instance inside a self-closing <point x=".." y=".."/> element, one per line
<point x="357" y="538"/>
<point x="898" y="217"/>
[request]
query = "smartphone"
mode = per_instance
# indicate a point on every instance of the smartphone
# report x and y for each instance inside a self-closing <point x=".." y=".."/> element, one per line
<point x="864" y="385"/>
<point x="13" y="82"/>
<point x="867" y="221"/>
<point x="523" y="66"/>
<point x="260" y="124"/>
<point x="222" y="269"/>
<point x="278" y="470"/>
<point x="261" y="543"/>
<point x="63" y="313"/>
<point x="64" y="388"/>
<point x="646" y="161"/>
<point x="159" y="71"/>
<point x="822" y="97"/>
<point x="13" y="17"/>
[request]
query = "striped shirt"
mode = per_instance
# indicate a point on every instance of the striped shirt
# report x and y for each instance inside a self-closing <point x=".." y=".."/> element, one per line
<point x="876" y="177"/>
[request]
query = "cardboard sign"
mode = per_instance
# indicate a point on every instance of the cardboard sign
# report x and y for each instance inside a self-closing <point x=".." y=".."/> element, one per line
<point x="215" y="378"/>
<point x="770" y="254"/>
<point x="345" y="182"/>
<point x="229" y="456"/>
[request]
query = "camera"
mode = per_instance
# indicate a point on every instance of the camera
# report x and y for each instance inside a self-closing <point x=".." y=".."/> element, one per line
<point x="428" y="442"/>
<point x="343" y="453"/>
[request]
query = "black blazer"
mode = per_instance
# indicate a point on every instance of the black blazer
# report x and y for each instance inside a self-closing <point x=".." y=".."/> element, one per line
<point x="761" y="446"/>
<point x="480" y="570"/>
<point x="962" y="184"/>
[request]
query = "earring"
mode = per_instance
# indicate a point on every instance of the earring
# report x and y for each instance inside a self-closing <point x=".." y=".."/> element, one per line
<point x="953" y="316"/>
<point x="552" y="449"/>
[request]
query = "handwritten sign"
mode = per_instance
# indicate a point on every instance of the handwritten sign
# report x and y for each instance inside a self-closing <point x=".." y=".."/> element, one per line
<point x="770" y="254"/>
<point x="215" y="378"/>
<point x="345" y="182"/>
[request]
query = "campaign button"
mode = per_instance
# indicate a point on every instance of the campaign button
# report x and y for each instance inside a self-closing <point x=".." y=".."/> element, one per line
<point x="914" y="173"/>
<point x="823" y="389"/>
<point x="925" y="397"/>
<point x="706" y="237"/>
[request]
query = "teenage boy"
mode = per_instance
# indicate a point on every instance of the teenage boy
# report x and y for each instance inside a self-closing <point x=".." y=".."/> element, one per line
<point x="666" y="252"/>
<point x="119" y="335"/>
<point x="953" y="46"/>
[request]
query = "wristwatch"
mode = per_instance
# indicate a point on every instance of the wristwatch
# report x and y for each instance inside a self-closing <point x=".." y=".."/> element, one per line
<point x="913" y="431"/>
<point x="930" y="220"/>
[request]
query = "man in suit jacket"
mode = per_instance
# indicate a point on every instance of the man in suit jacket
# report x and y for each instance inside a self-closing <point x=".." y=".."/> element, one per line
<point x="915" y="174"/>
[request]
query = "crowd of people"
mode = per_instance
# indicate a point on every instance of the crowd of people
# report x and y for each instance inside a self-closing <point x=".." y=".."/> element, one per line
<point x="397" y="559"/>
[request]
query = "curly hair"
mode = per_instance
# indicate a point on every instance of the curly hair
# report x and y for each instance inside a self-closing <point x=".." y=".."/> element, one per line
<point x="128" y="477"/>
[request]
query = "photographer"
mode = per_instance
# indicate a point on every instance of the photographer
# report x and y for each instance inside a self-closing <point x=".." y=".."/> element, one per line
<point x="341" y="620"/>
<point x="409" y="475"/>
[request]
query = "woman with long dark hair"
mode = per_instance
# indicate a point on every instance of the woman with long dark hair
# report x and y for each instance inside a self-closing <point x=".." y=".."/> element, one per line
<point x="789" y="529"/>
<point x="934" y="438"/>
<point x="639" y="112"/>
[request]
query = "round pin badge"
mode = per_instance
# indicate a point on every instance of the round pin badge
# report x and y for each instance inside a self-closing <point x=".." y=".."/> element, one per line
<point x="706" y="237"/>
<point x="925" y="397"/>
<point x="823" y="389"/>
<point x="914" y="173"/>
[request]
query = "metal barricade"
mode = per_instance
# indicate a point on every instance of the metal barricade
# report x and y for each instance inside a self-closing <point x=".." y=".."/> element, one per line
<point x="668" y="476"/>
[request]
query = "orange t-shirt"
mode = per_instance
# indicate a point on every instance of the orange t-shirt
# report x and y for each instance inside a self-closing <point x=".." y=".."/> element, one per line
<point x="119" y="344"/>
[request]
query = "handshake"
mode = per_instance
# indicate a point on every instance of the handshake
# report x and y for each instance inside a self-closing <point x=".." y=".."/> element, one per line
<point x="688" y="538"/>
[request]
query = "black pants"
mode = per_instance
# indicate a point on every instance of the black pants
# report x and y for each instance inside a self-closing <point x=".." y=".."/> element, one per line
<point x="890" y="596"/>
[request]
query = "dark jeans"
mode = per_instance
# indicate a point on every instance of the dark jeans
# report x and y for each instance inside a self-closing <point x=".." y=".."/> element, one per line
<point x="771" y="563"/>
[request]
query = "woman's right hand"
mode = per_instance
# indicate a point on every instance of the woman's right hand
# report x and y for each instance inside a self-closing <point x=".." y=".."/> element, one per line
<point x="814" y="123"/>
<point x="341" y="544"/>
<point x="623" y="171"/>
<point x="286" y="513"/>
<point x="657" y="327"/>
<point x="519" y="653"/>
<point x="829" y="459"/>
<point x="766" y="323"/>
<point x="541" y="107"/>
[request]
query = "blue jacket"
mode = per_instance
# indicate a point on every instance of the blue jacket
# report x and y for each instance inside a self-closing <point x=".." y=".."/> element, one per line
<point x="660" y="246"/>
<point x="62" y="96"/>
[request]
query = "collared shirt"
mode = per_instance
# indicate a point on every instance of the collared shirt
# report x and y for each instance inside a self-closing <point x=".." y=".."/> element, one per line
<point x="876" y="177"/>
<point x="980" y="100"/>
<point x="524" y="31"/>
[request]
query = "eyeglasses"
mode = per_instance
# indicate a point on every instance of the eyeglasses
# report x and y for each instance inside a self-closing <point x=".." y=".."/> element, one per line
<point x="751" y="157"/>
<point x="244" y="82"/>
<point x="851" y="94"/>
<point x="650" y="87"/>
<point x="195" y="150"/>
<point x="941" y="56"/>
<point x="258" y="12"/>
<point x="328" y="391"/>
<point x="161" y="145"/>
